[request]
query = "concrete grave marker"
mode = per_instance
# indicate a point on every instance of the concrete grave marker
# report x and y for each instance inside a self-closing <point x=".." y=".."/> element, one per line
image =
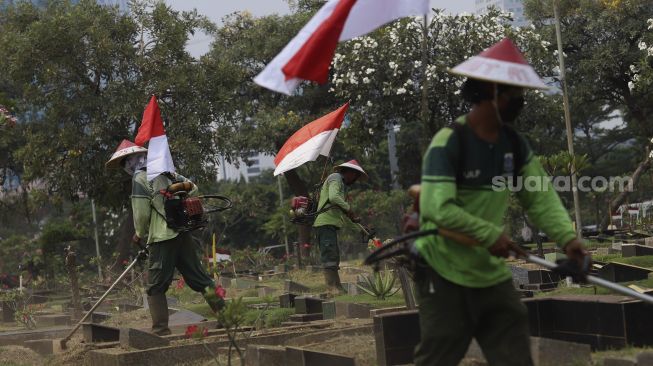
<point x="259" y="355"/>
<point x="308" y="305"/>
<point x="138" y="339"/>
<point x="94" y="333"/>
<point x="287" y="300"/>
<point x="52" y="320"/>
<point x="636" y="250"/>
<point x="619" y="272"/>
<point x="266" y="291"/>
<point x="304" y="357"/>
<point x="352" y="310"/>
<point x="396" y="335"/>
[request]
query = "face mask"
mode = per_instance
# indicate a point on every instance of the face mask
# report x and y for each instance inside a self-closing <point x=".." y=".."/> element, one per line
<point x="512" y="110"/>
<point x="134" y="163"/>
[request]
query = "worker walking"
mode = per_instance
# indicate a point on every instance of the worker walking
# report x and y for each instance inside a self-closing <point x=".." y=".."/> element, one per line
<point x="327" y="224"/>
<point x="467" y="292"/>
<point x="168" y="248"/>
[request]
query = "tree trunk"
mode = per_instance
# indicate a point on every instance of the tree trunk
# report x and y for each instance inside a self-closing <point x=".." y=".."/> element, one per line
<point x="621" y="197"/>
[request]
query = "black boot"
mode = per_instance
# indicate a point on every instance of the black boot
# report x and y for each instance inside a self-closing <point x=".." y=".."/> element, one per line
<point x="159" y="312"/>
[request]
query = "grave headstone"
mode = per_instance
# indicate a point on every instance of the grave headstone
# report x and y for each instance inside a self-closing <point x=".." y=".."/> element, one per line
<point x="314" y="269"/>
<point x="519" y="275"/>
<point x="294" y="287"/>
<point x="243" y="284"/>
<point x="542" y="276"/>
<point x="396" y="335"/>
<point x="602" y="251"/>
<point x="329" y="310"/>
<point x="352" y="310"/>
<point x="185" y="317"/>
<point x="635" y="250"/>
<point x="94" y="333"/>
<point x="617" y="246"/>
<point x="44" y="347"/>
<point x="601" y="321"/>
<point x="138" y="339"/>
<point x="99" y="317"/>
<point x="619" y="272"/>
<point x="7" y="313"/>
<point x="51" y="320"/>
<point x="304" y="357"/>
<point x="259" y="355"/>
<point x="553" y="257"/>
<point x="287" y="300"/>
<point x="375" y="312"/>
<point x="648" y="241"/>
<point x="265" y="291"/>
<point x="308" y="305"/>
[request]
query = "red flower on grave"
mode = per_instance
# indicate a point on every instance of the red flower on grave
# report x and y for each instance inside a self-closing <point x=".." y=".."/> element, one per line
<point x="125" y="262"/>
<point x="307" y="245"/>
<point x="205" y="332"/>
<point x="220" y="292"/>
<point x="191" y="330"/>
<point x="377" y="243"/>
<point x="180" y="284"/>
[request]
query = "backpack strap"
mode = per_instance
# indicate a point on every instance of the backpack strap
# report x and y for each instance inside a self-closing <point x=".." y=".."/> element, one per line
<point x="516" y="147"/>
<point x="462" y="150"/>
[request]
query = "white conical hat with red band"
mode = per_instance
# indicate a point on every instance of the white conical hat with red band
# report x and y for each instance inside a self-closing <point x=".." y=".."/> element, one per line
<point x="125" y="149"/>
<point x="502" y="63"/>
<point x="352" y="164"/>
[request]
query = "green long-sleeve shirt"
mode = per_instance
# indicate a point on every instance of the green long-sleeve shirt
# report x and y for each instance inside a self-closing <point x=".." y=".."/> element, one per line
<point x="147" y="206"/>
<point x="332" y="194"/>
<point x="476" y="208"/>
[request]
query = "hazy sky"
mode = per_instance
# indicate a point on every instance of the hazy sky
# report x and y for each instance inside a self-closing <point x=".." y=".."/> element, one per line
<point x="216" y="9"/>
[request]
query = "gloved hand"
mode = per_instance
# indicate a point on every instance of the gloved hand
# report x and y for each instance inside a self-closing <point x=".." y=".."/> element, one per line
<point x="578" y="262"/>
<point x="504" y="247"/>
<point x="352" y="216"/>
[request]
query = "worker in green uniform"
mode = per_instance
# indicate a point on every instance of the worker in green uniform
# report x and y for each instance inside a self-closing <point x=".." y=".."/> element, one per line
<point x="168" y="248"/>
<point x="466" y="292"/>
<point x="330" y="221"/>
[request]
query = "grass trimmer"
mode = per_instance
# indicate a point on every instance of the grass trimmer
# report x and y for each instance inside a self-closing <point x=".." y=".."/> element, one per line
<point x="401" y="246"/>
<point x="142" y="255"/>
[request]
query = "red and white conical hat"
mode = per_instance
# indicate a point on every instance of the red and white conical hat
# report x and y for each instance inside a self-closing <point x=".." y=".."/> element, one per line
<point x="352" y="164"/>
<point x="125" y="149"/>
<point x="502" y="63"/>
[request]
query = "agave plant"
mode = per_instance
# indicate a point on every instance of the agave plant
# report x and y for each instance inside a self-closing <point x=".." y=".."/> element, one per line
<point x="380" y="285"/>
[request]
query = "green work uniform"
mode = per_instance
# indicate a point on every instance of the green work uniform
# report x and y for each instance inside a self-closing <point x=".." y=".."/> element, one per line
<point x="329" y="222"/>
<point x="169" y="249"/>
<point x="470" y="278"/>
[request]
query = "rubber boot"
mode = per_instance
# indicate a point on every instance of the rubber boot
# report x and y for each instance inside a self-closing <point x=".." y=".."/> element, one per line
<point x="332" y="280"/>
<point x="159" y="312"/>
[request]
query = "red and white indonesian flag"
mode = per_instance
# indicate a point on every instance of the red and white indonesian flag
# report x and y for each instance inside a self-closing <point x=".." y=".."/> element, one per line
<point x="502" y="63"/>
<point x="310" y="141"/>
<point x="159" y="159"/>
<point x="308" y="56"/>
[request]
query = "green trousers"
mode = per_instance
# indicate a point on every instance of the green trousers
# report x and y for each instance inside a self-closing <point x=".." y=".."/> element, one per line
<point x="181" y="253"/>
<point x="327" y="240"/>
<point x="451" y="315"/>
